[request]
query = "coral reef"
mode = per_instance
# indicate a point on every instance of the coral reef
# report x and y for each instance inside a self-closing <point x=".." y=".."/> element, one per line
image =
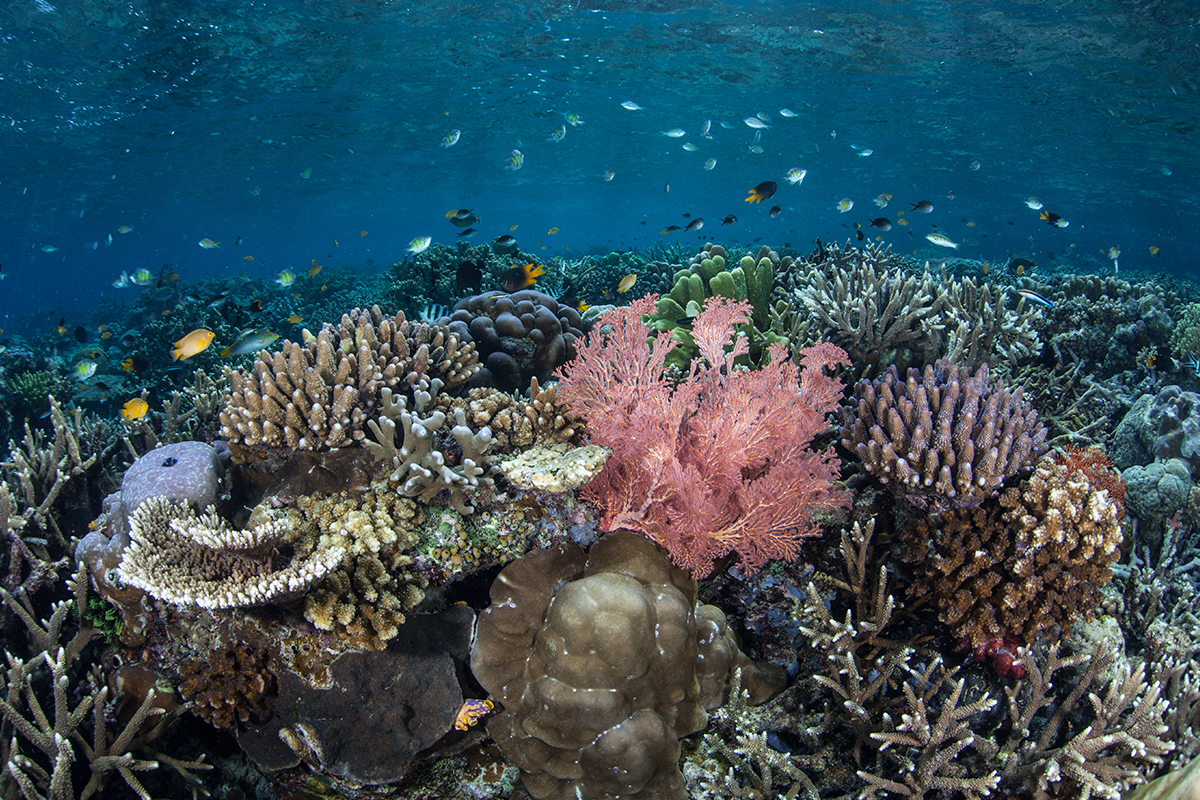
<point x="588" y="714"/>
<point x="318" y="395"/>
<point x="943" y="436"/>
<point x="518" y="336"/>
<point x="228" y="686"/>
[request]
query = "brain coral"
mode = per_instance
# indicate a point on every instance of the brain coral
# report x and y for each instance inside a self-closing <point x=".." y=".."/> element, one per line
<point x="602" y="663"/>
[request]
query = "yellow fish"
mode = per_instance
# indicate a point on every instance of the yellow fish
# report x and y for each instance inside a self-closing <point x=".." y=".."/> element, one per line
<point x="195" y="342"/>
<point x="312" y="273"/>
<point x="295" y="318"/>
<point x="125" y="229"/>
<point x="335" y="244"/>
<point x="362" y="234"/>
<point x="626" y="283"/>
<point x="208" y="244"/>
<point x="1153" y="250"/>
<point x="247" y="258"/>
<point x="135" y="409"/>
<point x="552" y="231"/>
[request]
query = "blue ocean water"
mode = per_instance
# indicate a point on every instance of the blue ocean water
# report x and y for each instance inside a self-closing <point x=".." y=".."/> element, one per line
<point x="292" y="125"/>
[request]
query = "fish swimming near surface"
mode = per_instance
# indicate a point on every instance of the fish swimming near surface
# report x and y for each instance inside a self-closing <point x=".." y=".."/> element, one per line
<point x="775" y="212"/>
<point x="135" y="409"/>
<point x="710" y="164"/>
<point x="1051" y="218"/>
<point x="763" y="191"/>
<point x="249" y="342"/>
<point x="192" y="344"/>
<point x="756" y="123"/>
<point x="923" y="207"/>
<point x="521" y="277"/>
<point x="451" y="138"/>
<point x="516" y="160"/>
<point x="1033" y="203"/>
<point x="209" y="244"/>
<point x="845" y="204"/>
<point x="795" y="176"/>
<point x="883" y="199"/>
<point x="882" y="223"/>
<point x="632" y="106"/>
<point x="124" y="229"/>
<point x="1034" y="297"/>
<point x="695" y="224"/>
<point x="729" y="220"/>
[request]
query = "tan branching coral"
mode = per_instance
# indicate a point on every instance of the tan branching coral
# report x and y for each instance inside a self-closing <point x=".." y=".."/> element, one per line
<point x="183" y="559"/>
<point x="1036" y="561"/>
<point x="420" y="469"/>
<point x="979" y="326"/>
<point x="318" y="395"/>
<point x="365" y="599"/>
<point x="228" y="686"/>
<point x="513" y="421"/>
<point x="942" y="435"/>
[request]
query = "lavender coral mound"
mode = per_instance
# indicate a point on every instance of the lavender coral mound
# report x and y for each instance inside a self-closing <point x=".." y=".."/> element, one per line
<point x="602" y="665"/>
<point x="943" y="435"/>
<point x="519" y="336"/>
<point x="189" y="471"/>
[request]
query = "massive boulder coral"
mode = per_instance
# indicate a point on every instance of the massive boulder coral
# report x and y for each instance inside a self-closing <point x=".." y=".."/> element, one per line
<point x="942" y="436"/>
<point x="602" y="663"/>
<point x="519" y="336"/>
<point x="1035" y="560"/>
<point x="318" y="395"/>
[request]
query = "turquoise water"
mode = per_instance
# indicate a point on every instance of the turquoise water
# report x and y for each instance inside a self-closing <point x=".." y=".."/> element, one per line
<point x="166" y="118"/>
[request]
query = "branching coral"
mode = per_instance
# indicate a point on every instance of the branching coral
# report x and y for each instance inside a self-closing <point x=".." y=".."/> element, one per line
<point x="942" y="435"/>
<point x="318" y="395"/>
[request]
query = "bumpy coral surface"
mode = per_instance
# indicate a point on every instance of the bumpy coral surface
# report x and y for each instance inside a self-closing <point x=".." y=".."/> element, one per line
<point x="1036" y="560"/>
<point x="944" y="434"/>
<point x="602" y="663"/>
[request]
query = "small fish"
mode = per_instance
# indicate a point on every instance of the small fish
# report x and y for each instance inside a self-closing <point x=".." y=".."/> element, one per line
<point x="134" y="409"/>
<point x="795" y="176"/>
<point x="883" y="200"/>
<point x="521" y="277"/>
<point x="451" y="138"/>
<point x="209" y="244"/>
<point x="671" y="229"/>
<point x="902" y="222"/>
<point x="419" y="244"/>
<point x="941" y="240"/>
<point x="666" y="188"/>
<point x="255" y="306"/>
<point x="1033" y="203"/>
<point x="923" y="207"/>
<point x="1053" y="219"/>
<point x="467" y="233"/>
<point x="558" y="134"/>
<point x="506" y="240"/>
<point x="882" y="223"/>
<point x="691" y="148"/>
<point x="1114" y="253"/>
<point x="236" y="241"/>
<point x="195" y="342"/>
<point x="49" y="248"/>
<point x="705" y="128"/>
<point x="431" y="311"/>
<point x="249" y="342"/>
<point x="695" y="224"/>
<point x="362" y="234"/>
<point x="787" y="112"/>
<point x="863" y="152"/>
<point x="307" y="173"/>
<point x="572" y="119"/>
<point x="1166" y="171"/>
<point x="775" y="212"/>
<point x="286" y="278"/>
<point x="632" y="106"/>
<point x="122" y="282"/>
<point x="950" y="195"/>
<point x="974" y="166"/>
<point x="1034" y="297"/>
<point x="247" y="258"/>
<point x="757" y="149"/>
<point x="674" y="133"/>
<point x="124" y="229"/>
<point x="516" y="160"/>
<point x="845" y="204"/>
<point x="295" y="319"/>
<point x="142" y="277"/>
<point x="627" y="283"/>
<point x="609" y="175"/>
<point x="315" y="269"/>
<point x="729" y="220"/>
<point x="552" y="231"/>
<point x="1153" y="249"/>
<point x="712" y="162"/>
<point x="756" y="123"/>
<point x="727" y="125"/>
<point x="763" y="191"/>
<point x="256" y="190"/>
<point x="110" y="238"/>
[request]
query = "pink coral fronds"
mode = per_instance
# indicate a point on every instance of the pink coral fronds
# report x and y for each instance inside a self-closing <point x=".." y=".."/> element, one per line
<point x="720" y="462"/>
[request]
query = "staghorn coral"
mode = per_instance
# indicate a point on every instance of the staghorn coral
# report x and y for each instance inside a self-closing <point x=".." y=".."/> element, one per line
<point x="1185" y="340"/>
<point x="228" y="686"/>
<point x="318" y="395"/>
<point x="979" y="327"/>
<point x="601" y="664"/>
<point x="34" y="387"/>
<point x="183" y="559"/>
<point x="1036" y="560"/>
<point x="364" y="600"/>
<point x="942" y="436"/>
<point x="421" y="469"/>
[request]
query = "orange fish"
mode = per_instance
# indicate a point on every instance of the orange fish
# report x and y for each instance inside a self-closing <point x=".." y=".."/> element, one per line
<point x="521" y="277"/>
<point x="626" y="283"/>
<point x="762" y="192"/>
<point x="195" y="342"/>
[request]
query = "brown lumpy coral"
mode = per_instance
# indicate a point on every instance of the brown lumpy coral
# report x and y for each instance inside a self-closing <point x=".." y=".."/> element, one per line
<point x="1037" y="559"/>
<point x="602" y="663"/>
<point x="943" y="434"/>
<point x="228" y="686"/>
<point x="318" y="395"/>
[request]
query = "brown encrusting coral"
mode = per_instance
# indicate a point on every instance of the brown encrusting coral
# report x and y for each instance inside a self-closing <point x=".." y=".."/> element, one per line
<point x="602" y="663"/>
<point x="942" y="435"/>
<point x="318" y="395"/>
<point x="228" y="686"/>
<point x="1035" y="560"/>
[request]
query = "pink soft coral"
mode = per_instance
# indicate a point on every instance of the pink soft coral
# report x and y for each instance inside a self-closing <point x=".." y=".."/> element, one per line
<point x="718" y="463"/>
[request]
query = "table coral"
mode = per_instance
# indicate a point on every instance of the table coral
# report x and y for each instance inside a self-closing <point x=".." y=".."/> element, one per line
<point x="602" y="663"/>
